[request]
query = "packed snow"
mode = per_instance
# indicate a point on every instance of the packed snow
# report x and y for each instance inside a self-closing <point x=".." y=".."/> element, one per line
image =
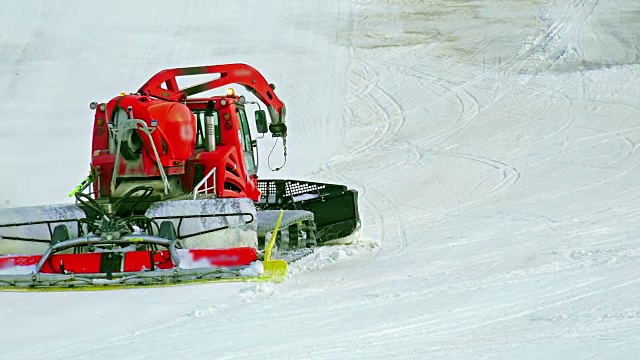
<point x="187" y="260"/>
<point x="256" y="268"/>
<point x="18" y="270"/>
<point x="494" y="145"/>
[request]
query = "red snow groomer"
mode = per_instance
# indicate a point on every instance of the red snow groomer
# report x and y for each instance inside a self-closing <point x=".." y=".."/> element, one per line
<point x="173" y="195"/>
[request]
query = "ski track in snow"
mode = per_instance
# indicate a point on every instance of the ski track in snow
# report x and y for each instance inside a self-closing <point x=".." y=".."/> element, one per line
<point x="496" y="164"/>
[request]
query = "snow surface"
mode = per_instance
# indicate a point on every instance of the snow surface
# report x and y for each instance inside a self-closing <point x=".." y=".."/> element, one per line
<point x="187" y="261"/>
<point x="18" y="270"/>
<point x="494" y="145"/>
<point x="256" y="268"/>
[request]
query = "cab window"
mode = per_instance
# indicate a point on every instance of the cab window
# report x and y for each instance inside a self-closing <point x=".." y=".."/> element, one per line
<point x="245" y="137"/>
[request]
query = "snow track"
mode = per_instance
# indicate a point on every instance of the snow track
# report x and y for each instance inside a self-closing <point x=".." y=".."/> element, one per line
<point x="494" y="146"/>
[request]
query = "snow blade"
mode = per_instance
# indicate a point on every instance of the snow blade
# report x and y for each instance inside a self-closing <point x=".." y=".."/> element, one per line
<point x="274" y="271"/>
<point x="137" y="264"/>
<point x="112" y="259"/>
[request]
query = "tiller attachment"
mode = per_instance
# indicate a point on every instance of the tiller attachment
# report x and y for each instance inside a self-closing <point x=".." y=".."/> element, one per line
<point x="139" y="250"/>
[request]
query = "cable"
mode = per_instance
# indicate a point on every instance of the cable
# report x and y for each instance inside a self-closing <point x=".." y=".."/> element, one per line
<point x="285" y="155"/>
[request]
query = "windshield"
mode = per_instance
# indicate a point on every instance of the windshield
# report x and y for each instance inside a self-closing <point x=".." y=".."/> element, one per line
<point x="245" y="137"/>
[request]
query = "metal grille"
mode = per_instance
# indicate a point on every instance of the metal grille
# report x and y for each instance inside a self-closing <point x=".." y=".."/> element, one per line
<point x="291" y="188"/>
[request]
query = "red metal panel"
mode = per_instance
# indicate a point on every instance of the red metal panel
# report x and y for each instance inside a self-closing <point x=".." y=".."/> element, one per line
<point x="11" y="261"/>
<point x="134" y="261"/>
<point x="226" y="257"/>
<point x="139" y="260"/>
<point x="242" y="74"/>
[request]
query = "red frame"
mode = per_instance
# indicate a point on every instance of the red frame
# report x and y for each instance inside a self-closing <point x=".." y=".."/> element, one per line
<point x="134" y="261"/>
<point x="228" y="157"/>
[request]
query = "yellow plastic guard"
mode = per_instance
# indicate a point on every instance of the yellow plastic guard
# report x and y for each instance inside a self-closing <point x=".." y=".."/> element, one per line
<point x="272" y="241"/>
<point x="274" y="271"/>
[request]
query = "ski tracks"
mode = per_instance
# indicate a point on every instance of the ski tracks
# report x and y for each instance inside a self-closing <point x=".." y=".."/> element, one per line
<point x="389" y="119"/>
<point x="439" y="329"/>
<point x="375" y="105"/>
<point x="7" y="40"/>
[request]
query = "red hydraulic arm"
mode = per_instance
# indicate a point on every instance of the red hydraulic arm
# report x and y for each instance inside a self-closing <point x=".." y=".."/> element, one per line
<point x="241" y="74"/>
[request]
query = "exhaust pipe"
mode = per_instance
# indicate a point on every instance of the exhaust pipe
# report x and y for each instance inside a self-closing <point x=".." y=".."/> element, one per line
<point x="210" y="127"/>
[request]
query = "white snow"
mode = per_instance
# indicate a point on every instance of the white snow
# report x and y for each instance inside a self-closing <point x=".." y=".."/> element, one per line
<point x="11" y="215"/>
<point x="494" y="145"/>
<point x="238" y="234"/>
<point x="117" y="249"/>
<point x="328" y="255"/>
<point x="187" y="260"/>
<point x="303" y="197"/>
<point x="256" y="268"/>
<point x="18" y="270"/>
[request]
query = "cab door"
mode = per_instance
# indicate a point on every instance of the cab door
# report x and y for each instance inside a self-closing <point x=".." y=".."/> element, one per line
<point x="250" y="157"/>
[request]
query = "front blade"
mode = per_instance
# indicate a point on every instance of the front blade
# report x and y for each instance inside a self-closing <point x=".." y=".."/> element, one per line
<point x="274" y="271"/>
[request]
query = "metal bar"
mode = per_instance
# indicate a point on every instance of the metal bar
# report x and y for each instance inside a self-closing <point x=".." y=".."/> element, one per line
<point x="116" y="166"/>
<point x="182" y="217"/>
<point x="47" y="254"/>
<point x="41" y="222"/>
<point x="145" y="129"/>
<point x="96" y="240"/>
<point x="135" y="124"/>
<point x="202" y="182"/>
<point x="203" y="216"/>
<point x="179" y="225"/>
<point x="169" y="276"/>
<point x="24" y="239"/>
<point x="174" y="255"/>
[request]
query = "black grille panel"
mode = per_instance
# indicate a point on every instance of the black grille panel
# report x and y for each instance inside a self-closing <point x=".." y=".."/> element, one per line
<point x="335" y="207"/>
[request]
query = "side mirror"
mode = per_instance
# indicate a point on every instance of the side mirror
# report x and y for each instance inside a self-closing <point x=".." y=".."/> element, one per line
<point x="261" y="121"/>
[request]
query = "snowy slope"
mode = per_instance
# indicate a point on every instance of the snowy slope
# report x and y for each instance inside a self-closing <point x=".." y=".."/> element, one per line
<point x="494" y="144"/>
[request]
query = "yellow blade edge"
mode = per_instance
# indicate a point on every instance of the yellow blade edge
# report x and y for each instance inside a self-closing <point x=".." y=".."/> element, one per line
<point x="274" y="271"/>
